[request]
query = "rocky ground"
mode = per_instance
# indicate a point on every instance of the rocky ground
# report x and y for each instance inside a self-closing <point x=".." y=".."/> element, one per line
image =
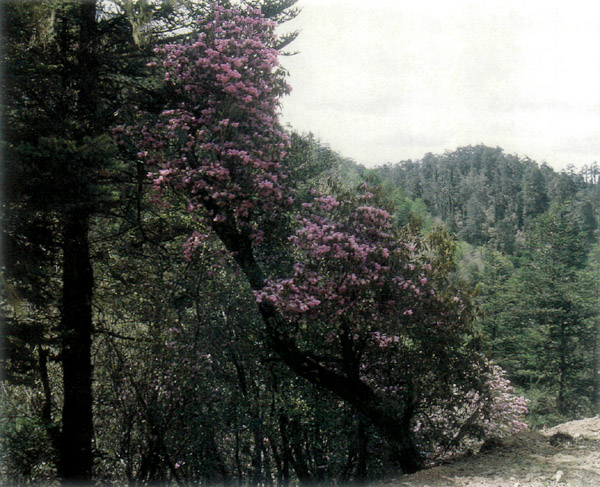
<point x="567" y="455"/>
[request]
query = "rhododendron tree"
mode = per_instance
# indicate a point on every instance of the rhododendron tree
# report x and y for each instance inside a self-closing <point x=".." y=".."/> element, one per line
<point x="363" y="314"/>
<point x="370" y="305"/>
<point x="221" y="144"/>
<point x="361" y="292"/>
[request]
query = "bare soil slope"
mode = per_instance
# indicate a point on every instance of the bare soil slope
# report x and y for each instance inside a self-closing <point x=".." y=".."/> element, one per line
<point x="566" y="455"/>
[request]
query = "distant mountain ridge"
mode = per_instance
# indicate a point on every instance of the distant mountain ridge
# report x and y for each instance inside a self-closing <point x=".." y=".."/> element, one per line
<point x="487" y="196"/>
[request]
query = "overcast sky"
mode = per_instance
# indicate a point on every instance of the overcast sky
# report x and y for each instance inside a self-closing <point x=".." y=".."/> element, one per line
<point x="383" y="81"/>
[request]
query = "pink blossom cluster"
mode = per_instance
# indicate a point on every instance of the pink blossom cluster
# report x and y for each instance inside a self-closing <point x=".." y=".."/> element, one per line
<point x="221" y="144"/>
<point x="495" y="411"/>
<point x="344" y="262"/>
<point x="506" y="410"/>
<point x="382" y="340"/>
<point x="356" y="282"/>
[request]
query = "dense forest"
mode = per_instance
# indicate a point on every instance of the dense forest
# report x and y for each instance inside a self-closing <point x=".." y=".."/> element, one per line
<point x="528" y="246"/>
<point x="193" y="295"/>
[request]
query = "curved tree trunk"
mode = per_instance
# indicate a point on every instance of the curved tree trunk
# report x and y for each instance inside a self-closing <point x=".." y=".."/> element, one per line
<point x="392" y="421"/>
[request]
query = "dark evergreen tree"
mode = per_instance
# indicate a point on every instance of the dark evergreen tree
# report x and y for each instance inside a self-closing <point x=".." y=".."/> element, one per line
<point x="57" y="150"/>
<point x="535" y="317"/>
<point x="73" y="69"/>
<point x="535" y="198"/>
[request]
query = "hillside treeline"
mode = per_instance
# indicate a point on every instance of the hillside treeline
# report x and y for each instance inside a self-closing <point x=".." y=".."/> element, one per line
<point x="529" y="245"/>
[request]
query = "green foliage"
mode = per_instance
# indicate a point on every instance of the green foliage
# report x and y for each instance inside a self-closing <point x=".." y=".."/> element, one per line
<point x="535" y="318"/>
<point x="526" y="232"/>
<point x="185" y="390"/>
<point x="486" y="196"/>
<point x="26" y="451"/>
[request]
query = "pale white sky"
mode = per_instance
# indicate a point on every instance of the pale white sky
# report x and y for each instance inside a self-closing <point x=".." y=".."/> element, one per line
<point x="383" y="81"/>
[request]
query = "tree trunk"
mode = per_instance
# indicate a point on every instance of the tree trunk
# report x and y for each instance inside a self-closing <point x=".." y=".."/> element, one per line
<point x="75" y="456"/>
<point x="257" y="464"/>
<point x="596" y="367"/>
<point x="562" y="369"/>
<point x="363" y="452"/>
<point x="300" y="460"/>
<point x="393" y="424"/>
<point x="286" y="451"/>
<point x="50" y="426"/>
<point x="391" y="419"/>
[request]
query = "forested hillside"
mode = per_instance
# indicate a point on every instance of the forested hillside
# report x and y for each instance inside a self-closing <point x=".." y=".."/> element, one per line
<point x="485" y="196"/>
<point x="529" y="245"/>
<point x="194" y="295"/>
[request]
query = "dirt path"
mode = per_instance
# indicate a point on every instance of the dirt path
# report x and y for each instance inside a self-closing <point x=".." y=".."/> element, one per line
<point x="567" y="455"/>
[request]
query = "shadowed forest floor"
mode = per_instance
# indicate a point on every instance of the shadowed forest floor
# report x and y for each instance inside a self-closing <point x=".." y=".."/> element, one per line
<point x="566" y="455"/>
